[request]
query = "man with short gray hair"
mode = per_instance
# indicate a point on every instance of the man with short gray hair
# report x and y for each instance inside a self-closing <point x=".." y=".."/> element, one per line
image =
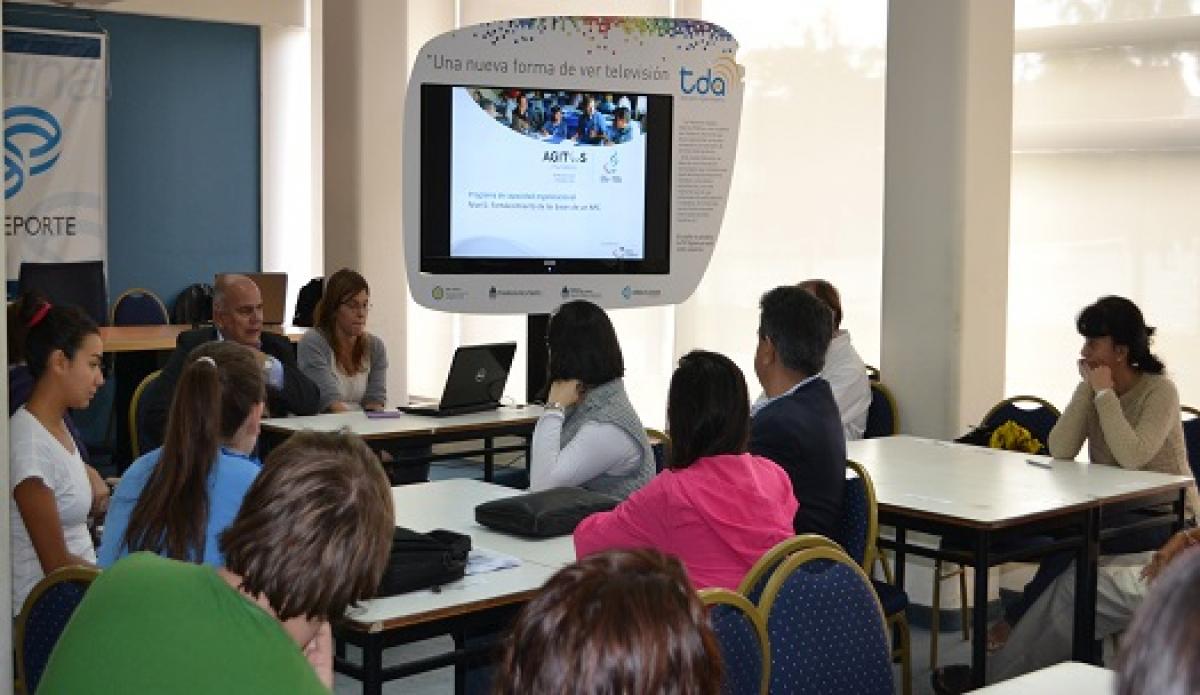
<point x="798" y="425"/>
<point x="237" y="316"/>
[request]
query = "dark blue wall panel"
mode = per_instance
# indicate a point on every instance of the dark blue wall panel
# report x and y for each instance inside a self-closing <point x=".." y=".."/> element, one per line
<point x="183" y="148"/>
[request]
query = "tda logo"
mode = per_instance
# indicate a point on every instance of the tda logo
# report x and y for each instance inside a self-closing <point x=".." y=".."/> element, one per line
<point x="712" y="82"/>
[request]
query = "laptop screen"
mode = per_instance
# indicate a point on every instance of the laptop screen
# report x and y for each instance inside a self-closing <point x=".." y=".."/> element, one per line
<point x="477" y="375"/>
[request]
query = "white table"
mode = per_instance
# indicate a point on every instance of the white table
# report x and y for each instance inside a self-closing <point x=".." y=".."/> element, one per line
<point x="1067" y="677"/>
<point x="990" y="496"/>
<point x="450" y="505"/>
<point x="476" y="604"/>
<point x="418" y="430"/>
<point x="404" y="425"/>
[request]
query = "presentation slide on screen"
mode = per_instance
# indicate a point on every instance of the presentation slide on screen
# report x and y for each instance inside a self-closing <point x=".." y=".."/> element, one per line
<point x="547" y="174"/>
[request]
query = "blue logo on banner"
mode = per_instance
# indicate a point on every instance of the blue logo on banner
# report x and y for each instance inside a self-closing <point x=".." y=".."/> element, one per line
<point x="42" y="138"/>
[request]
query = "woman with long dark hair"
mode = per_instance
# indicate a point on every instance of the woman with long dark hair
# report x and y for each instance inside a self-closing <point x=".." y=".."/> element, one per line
<point x="175" y="500"/>
<point x="54" y="491"/>
<point x="590" y="436"/>
<point x="716" y="507"/>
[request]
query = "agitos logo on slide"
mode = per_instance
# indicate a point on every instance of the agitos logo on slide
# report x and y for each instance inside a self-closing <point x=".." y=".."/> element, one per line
<point x="713" y="82"/>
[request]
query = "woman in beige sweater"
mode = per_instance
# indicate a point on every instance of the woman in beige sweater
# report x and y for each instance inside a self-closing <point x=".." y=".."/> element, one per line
<point x="1128" y="411"/>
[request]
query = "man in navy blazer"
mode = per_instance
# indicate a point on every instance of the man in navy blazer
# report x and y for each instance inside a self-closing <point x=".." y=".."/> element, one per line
<point x="237" y="316"/>
<point x="797" y="425"/>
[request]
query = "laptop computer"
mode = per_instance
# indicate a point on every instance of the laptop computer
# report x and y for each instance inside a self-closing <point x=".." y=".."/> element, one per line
<point x="273" y="287"/>
<point x="475" y="382"/>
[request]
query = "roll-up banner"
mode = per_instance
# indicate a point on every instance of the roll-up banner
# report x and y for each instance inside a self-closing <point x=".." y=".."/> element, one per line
<point x="559" y="158"/>
<point x="55" y="97"/>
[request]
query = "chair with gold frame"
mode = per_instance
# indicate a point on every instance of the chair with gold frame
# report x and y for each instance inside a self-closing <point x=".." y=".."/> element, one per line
<point x="43" y="618"/>
<point x="742" y="635"/>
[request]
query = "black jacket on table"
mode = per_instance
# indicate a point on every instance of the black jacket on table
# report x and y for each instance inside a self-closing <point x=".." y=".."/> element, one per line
<point x="802" y="432"/>
<point x="299" y="395"/>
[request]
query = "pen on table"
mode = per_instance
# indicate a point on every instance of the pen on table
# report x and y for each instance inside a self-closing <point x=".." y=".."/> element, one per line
<point x="1039" y="464"/>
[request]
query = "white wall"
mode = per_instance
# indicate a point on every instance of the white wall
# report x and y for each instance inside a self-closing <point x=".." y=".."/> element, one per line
<point x="262" y="12"/>
<point x="365" y="63"/>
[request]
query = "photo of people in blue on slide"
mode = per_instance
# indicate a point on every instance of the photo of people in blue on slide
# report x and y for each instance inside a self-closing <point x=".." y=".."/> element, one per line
<point x="581" y="118"/>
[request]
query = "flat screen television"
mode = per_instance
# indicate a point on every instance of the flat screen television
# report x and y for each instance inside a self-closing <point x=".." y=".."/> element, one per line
<point x="518" y="180"/>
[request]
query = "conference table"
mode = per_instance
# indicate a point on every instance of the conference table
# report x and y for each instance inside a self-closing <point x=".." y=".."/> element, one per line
<point x="419" y="430"/>
<point x="134" y="349"/>
<point x="478" y="604"/>
<point x="1067" y="677"/>
<point x="162" y="337"/>
<point x="986" y="498"/>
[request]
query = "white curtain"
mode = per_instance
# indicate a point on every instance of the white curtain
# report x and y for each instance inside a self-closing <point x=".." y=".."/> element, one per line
<point x="1106" y="162"/>
<point x="807" y="193"/>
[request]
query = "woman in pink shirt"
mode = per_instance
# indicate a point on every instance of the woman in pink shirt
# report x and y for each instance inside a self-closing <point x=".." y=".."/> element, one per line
<point x="715" y="506"/>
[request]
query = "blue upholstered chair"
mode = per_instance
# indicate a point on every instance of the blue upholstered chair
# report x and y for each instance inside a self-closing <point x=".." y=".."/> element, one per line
<point x="755" y="581"/>
<point x="883" y="417"/>
<point x="136" y="446"/>
<point x="1191" y="437"/>
<point x="858" y="523"/>
<point x="825" y="626"/>
<point x="858" y="534"/>
<point x="1039" y="417"/>
<point x="79" y="284"/>
<point x="659" y="441"/>
<point x="44" y="617"/>
<point x="742" y="636"/>
<point x="1034" y="414"/>
<point x="138" y="307"/>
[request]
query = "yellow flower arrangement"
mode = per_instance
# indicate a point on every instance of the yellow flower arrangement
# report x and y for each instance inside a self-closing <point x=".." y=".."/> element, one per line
<point x="1012" y="437"/>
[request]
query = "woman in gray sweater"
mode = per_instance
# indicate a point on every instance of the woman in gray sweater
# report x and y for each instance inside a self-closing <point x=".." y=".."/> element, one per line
<point x="347" y="364"/>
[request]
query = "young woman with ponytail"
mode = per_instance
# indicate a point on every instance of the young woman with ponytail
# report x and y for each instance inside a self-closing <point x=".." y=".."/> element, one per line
<point x="175" y="500"/>
<point x="54" y="492"/>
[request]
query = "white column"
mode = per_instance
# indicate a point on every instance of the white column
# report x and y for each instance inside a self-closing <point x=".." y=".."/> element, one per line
<point x="367" y="46"/>
<point x="292" y="241"/>
<point x="948" y="147"/>
<point x="947" y="163"/>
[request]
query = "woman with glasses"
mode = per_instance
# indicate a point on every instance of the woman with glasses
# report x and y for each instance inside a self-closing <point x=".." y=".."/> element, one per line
<point x="348" y="365"/>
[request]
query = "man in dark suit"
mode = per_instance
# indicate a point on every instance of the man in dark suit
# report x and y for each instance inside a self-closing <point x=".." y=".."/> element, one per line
<point x="797" y="424"/>
<point x="237" y="316"/>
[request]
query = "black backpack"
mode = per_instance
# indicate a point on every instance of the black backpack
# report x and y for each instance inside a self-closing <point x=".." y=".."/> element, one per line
<point x="306" y="302"/>
<point x="194" y="305"/>
<point x="424" y="560"/>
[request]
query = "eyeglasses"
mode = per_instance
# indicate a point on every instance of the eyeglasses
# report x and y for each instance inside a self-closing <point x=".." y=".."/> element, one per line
<point x="357" y="307"/>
